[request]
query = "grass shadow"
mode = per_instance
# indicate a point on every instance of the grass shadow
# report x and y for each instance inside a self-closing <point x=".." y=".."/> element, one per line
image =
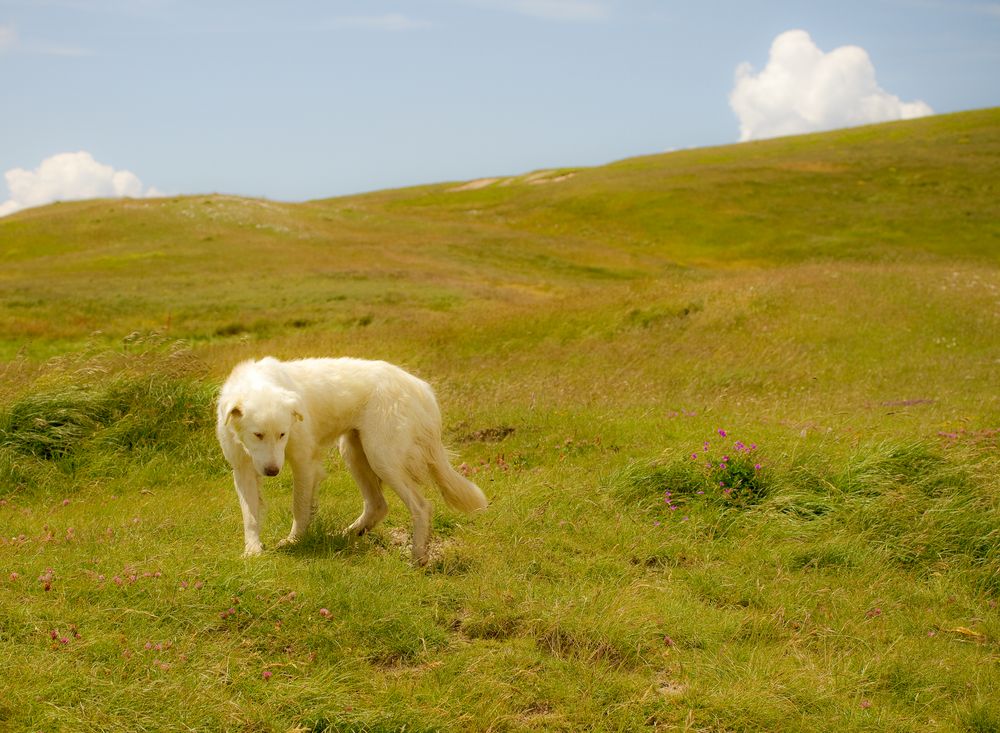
<point x="326" y="539"/>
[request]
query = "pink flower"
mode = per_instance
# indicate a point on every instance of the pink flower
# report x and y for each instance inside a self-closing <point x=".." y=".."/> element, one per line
<point x="266" y="674"/>
<point x="65" y="502"/>
<point x="723" y="433"/>
<point x="325" y="613"/>
<point x="865" y="704"/>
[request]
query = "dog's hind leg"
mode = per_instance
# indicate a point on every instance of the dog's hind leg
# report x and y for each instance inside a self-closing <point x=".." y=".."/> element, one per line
<point x="248" y="490"/>
<point x="368" y="482"/>
<point x="420" y="509"/>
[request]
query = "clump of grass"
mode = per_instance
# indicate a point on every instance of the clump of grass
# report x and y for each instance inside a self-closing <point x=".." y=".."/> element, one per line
<point x="736" y="472"/>
<point x="721" y="473"/>
<point x="905" y="501"/>
<point x="922" y="509"/>
<point x="143" y="398"/>
<point x="981" y="717"/>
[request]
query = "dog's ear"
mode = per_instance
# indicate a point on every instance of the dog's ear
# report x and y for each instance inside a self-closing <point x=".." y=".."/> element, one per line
<point x="293" y="403"/>
<point x="235" y="411"/>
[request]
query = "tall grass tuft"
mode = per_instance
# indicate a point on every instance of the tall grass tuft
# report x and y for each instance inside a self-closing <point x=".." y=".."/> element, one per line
<point x="148" y="397"/>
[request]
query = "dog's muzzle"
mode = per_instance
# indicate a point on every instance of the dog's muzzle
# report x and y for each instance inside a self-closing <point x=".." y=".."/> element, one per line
<point x="271" y="470"/>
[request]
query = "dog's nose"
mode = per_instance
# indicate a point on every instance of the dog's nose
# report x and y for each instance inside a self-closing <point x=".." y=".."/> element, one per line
<point x="271" y="470"/>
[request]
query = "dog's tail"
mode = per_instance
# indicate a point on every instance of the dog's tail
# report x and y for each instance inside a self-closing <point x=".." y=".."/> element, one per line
<point x="458" y="491"/>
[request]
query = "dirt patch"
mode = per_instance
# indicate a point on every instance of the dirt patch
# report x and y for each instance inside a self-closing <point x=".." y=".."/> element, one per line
<point x="475" y="185"/>
<point x="537" y="180"/>
<point x="487" y="435"/>
<point x="812" y="166"/>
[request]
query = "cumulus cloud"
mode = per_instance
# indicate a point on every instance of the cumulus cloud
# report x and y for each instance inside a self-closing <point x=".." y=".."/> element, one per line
<point x="802" y="89"/>
<point x="68" y="177"/>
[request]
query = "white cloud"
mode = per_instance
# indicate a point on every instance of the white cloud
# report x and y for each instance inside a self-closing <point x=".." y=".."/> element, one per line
<point x="573" y="10"/>
<point x="68" y="177"/>
<point x="8" y="38"/>
<point x="10" y="42"/>
<point x="385" y="22"/>
<point x="803" y="89"/>
<point x="563" y="9"/>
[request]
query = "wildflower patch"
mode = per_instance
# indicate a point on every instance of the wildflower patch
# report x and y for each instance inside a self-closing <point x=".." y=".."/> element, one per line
<point x="722" y="471"/>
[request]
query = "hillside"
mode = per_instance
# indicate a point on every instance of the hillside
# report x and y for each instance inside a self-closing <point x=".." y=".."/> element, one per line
<point x="911" y="192"/>
<point x="736" y="411"/>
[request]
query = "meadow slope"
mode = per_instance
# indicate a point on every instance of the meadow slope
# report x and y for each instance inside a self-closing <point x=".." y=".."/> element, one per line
<point x="736" y="410"/>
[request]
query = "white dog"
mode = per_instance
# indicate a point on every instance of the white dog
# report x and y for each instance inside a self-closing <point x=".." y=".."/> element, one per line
<point x="386" y="422"/>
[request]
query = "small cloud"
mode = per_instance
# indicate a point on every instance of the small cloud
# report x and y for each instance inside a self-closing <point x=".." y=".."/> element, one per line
<point x="10" y="42"/>
<point x="567" y="10"/>
<point x="8" y="38"/>
<point x="802" y="89"/>
<point x="69" y="177"/>
<point x="48" y="49"/>
<point x="385" y="22"/>
<point x="563" y="9"/>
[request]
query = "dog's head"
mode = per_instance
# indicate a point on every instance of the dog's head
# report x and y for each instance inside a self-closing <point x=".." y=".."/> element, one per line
<point x="263" y="421"/>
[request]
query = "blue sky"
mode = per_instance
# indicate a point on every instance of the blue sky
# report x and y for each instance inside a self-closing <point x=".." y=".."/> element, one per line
<point x="305" y="99"/>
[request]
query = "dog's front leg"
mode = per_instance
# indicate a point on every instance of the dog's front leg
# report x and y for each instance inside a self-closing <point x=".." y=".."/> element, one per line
<point x="248" y="490"/>
<point x="306" y="473"/>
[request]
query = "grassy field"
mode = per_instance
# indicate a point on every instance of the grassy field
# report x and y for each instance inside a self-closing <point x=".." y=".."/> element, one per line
<point x="736" y="410"/>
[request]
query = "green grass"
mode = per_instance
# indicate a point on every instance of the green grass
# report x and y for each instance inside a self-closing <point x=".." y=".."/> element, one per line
<point x="832" y="300"/>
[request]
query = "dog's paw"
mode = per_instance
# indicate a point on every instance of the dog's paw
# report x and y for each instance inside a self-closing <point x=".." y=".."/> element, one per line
<point x="420" y="561"/>
<point x="287" y="542"/>
<point x="355" y="530"/>
<point x="253" y="550"/>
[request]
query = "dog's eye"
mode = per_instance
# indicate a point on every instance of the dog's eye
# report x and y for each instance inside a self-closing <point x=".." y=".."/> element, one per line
<point x="259" y="436"/>
<point x="281" y="436"/>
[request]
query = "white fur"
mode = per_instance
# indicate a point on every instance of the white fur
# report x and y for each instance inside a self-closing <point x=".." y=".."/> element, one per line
<point x="386" y="422"/>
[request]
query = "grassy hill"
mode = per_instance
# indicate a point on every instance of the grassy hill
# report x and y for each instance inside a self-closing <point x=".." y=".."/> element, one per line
<point x="832" y="300"/>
